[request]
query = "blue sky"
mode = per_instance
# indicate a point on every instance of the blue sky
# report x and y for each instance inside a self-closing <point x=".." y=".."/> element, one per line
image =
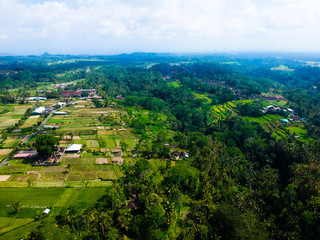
<point x="118" y="26"/>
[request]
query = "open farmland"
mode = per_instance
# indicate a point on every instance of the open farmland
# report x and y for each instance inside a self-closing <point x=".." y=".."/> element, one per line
<point x="14" y="114"/>
<point x="34" y="201"/>
<point x="80" y="126"/>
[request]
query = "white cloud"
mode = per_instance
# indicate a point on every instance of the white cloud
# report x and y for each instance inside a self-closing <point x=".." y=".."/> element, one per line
<point x="163" y="25"/>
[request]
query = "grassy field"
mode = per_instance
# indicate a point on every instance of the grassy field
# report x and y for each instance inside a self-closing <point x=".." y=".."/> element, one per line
<point x="34" y="201"/>
<point x="15" y="113"/>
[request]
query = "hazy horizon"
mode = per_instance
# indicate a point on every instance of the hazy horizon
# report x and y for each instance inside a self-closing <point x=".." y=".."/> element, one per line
<point x="32" y="27"/>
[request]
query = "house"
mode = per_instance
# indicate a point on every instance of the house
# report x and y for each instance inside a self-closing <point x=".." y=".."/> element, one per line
<point x="36" y="98"/>
<point x="61" y="104"/>
<point x="132" y="203"/>
<point x="290" y="110"/>
<point x="26" y="154"/>
<point x="294" y="118"/>
<point x="51" y="127"/>
<point x="94" y="96"/>
<point x="284" y="120"/>
<point x="272" y="109"/>
<point x="60" y="113"/>
<point x="49" y="109"/>
<point x="274" y="98"/>
<point x="120" y="97"/>
<point x="39" y="111"/>
<point x="46" y="211"/>
<point x="73" y="148"/>
<point x="177" y="155"/>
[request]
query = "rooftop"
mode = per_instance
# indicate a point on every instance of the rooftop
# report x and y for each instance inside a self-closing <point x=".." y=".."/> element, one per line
<point x="74" y="147"/>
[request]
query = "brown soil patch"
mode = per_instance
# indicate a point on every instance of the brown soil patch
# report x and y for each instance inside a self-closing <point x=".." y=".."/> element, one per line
<point x="35" y="116"/>
<point x="76" y="137"/>
<point x="4" y="178"/>
<point x="102" y="160"/>
<point x="5" y="151"/>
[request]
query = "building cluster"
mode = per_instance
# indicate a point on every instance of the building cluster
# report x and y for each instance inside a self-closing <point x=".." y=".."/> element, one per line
<point x="52" y="160"/>
<point x="91" y="93"/>
<point x="289" y="111"/>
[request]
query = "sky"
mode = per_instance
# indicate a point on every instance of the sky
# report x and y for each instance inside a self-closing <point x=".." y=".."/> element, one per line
<point x="125" y="26"/>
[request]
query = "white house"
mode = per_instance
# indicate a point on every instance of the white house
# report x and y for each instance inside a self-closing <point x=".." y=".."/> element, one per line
<point x="39" y="111"/>
<point x="60" y="113"/>
<point x="46" y="211"/>
<point x="73" y="148"/>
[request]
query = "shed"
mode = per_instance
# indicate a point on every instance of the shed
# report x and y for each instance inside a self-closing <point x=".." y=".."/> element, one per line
<point x="39" y="111"/>
<point x="60" y="113"/>
<point x="73" y="148"/>
<point x="46" y="211"/>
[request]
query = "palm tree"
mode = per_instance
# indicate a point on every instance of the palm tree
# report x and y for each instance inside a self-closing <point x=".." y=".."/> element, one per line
<point x="17" y="205"/>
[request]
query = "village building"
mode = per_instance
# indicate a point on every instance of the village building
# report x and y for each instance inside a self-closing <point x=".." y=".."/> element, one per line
<point x="89" y="91"/>
<point x="120" y="97"/>
<point x="73" y="148"/>
<point x="49" y="109"/>
<point x="39" y="111"/>
<point x="51" y="127"/>
<point x="46" y="211"/>
<point x="177" y="155"/>
<point x="61" y="104"/>
<point x="36" y="98"/>
<point x="60" y="113"/>
<point x="26" y="154"/>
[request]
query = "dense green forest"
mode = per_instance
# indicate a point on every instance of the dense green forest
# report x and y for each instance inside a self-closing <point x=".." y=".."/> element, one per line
<point x="240" y="181"/>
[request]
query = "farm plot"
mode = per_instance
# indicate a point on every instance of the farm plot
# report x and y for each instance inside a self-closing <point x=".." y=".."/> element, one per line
<point x="5" y="152"/>
<point x="76" y="170"/>
<point x="11" y="141"/>
<point x="11" y="118"/>
<point x="92" y="144"/>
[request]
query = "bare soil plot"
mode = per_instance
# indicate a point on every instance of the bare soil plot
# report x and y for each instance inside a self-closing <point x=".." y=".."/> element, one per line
<point x="5" y="151"/>
<point x="76" y="138"/>
<point x="4" y="178"/>
<point x="101" y="160"/>
<point x="79" y="106"/>
<point x="72" y="155"/>
<point x="34" y="116"/>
